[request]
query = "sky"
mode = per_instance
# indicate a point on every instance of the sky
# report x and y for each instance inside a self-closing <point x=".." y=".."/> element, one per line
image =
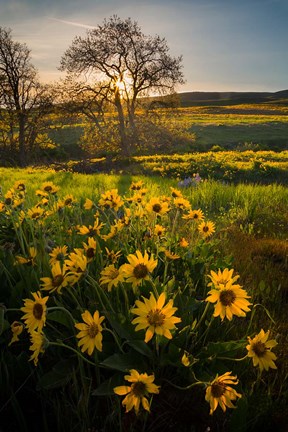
<point x="227" y="45"/>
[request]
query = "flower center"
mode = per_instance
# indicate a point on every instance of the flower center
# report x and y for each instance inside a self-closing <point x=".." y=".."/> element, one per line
<point x="60" y="256"/>
<point x="138" y="388"/>
<point x="35" y="215"/>
<point x="57" y="280"/>
<point x="205" y="228"/>
<point x="259" y="349"/>
<point x="156" y="318"/>
<point x="90" y="253"/>
<point x="114" y="273"/>
<point x="227" y="297"/>
<point x="156" y="208"/>
<point x="195" y="216"/>
<point x="217" y="389"/>
<point x="68" y="201"/>
<point x="48" y="188"/>
<point x="93" y="330"/>
<point x="140" y="271"/>
<point x="38" y="311"/>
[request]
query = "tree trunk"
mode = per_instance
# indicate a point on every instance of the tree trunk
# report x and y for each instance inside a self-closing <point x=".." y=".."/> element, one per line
<point x="122" y="131"/>
<point x="22" y="152"/>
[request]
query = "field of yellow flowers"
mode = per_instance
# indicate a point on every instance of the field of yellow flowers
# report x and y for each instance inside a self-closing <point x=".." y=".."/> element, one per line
<point x="120" y="312"/>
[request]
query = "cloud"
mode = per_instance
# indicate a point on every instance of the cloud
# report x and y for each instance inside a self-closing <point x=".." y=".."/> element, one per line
<point x="76" y="24"/>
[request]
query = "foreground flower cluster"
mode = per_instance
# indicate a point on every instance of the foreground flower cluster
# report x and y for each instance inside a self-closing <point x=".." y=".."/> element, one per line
<point x="122" y="278"/>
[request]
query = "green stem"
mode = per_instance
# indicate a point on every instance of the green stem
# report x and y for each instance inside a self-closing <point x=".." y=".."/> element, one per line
<point x="62" y="309"/>
<point x="62" y="345"/>
<point x="202" y="316"/>
<point x="185" y="388"/>
<point x="12" y="310"/>
<point x="233" y="359"/>
<point x="115" y="338"/>
<point x="154" y="289"/>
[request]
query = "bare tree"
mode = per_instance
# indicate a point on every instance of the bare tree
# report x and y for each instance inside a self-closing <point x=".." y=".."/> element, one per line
<point x="125" y="64"/>
<point x="23" y="100"/>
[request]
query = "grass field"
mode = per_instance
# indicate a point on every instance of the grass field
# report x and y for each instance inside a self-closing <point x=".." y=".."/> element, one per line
<point x="87" y="243"/>
<point x="73" y="389"/>
<point x="246" y="126"/>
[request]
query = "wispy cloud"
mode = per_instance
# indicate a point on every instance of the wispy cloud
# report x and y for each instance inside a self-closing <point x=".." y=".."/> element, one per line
<point x="76" y="24"/>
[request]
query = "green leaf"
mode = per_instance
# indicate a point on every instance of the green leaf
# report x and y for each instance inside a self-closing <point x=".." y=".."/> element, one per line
<point x="59" y="376"/>
<point x="53" y="380"/>
<point x="125" y="362"/>
<point x="2" y="321"/>
<point x="106" y="388"/>
<point x="61" y="318"/>
<point x="141" y="347"/>
<point x="238" y="419"/>
<point x="227" y="349"/>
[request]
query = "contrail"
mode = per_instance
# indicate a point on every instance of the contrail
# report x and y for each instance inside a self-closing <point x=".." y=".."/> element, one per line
<point x="73" y="23"/>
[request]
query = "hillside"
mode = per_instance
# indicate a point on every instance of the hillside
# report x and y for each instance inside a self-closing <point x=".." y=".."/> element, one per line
<point x="231" y="98"/>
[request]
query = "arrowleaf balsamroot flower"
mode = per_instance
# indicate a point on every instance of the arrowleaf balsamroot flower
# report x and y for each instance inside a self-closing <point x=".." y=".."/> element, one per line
<point x="155" y="317"/>
<point x="111" y="276"/>
<point x="196" y="215"/>
<point x="58" y="253"/>
<point x="30" y="260"/>
<point x="221" y="278"/>
<point x="37" y="345"/>
<point x="220" y="392"/>
<point x="90" y="334"/>
<point x="57" y="281"/>
<point x="35" y="312"/>
<point x="230" y="300"/>
<point x="259" y="348"/>
<point x="206" y="229"/>
<point x="17" y="329"/>
<point x="157" y="206"/>
<point x="142" y="385"/>
<point x="139" y="267"/>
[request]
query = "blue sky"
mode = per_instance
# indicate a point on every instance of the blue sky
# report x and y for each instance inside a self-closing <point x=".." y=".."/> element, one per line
<point x="227" y="45"/>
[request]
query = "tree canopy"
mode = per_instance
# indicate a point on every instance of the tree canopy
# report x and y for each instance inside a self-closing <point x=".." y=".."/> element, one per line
<point x="22" y="97"/>
<point x="124" y="64"/>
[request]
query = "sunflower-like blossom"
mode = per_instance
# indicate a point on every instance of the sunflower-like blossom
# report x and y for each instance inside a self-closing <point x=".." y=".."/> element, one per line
<point x="135" y="394"/>
<point x="139" y="267"/>
<point x="111" y="276"/>
<point x="259" y="348"/>
<point x="206" y="228"/>
<point x="58" y="254"/>
<point x="37" y="345"/>
<point x="155" y="316"/>
<point x="90" y="334"/>
<point x="230" y="300"/>
<point x="58" y="279"/>
<point x="30" y="260"/>
<point x="157" y="206"/>
<point x="90" y="248"/>
<point x="195" y="215"/>
<point x="35" y="312"/>
<point x="17" y="329"/>
<point x="219" y="391"/>
<point x="222" y="278"/>
<point x="111" y="199"/>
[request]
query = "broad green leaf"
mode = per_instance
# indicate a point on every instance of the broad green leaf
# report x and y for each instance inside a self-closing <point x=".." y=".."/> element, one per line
<point x="61" y="318"/>
<point x="227" y="349"/>
<point x="106" y="388"/>
<point x="125" y="362"/>
<point x="141" y="347"/>
<point x="53" y="380"/>
<point x="2" y="312"/>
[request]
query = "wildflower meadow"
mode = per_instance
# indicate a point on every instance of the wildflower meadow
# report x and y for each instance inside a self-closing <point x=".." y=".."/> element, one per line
<point x="121" y="311"/>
